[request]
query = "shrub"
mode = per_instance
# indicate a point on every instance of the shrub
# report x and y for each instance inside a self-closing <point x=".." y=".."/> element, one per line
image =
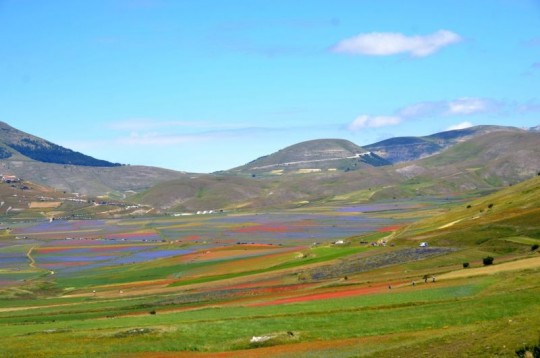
<point x="490" y="206"/>
<point x="488" y="260"/>
<point x="465" y="265"/>
<point x="534" y="247"/>
<point x="533" y="351"/>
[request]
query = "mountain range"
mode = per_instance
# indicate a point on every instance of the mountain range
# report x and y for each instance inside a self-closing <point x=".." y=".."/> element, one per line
<point x="324" y="170"/>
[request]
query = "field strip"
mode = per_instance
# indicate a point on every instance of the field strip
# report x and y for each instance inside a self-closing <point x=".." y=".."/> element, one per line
<point x="44" y="205"/>
<point x="29" y="255"/>
<point x="449" y="224"/>
<point x="24" y="308"/>
<point x="63" y="232"/>
<point x="493" y="269"/>
<point x="522" y="240"/>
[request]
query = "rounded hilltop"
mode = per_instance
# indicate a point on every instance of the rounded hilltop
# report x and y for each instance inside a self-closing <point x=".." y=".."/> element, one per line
<point x="312" y="156"/>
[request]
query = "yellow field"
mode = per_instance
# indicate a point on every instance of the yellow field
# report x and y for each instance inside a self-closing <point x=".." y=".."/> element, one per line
<point x="524" y="264"/>
<point x="44" y="204"/>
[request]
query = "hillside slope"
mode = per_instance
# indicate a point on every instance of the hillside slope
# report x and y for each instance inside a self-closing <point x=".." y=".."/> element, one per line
<point x="404" y="149"/>
<point x="14" y="141"/>
<point x="45" y="163"/>
<point x="86" y="180"/>
<point x="510" y="215"/>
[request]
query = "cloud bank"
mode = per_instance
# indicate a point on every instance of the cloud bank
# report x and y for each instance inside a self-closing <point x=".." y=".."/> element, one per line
<point x="457" y="107"/>
<point x="392" y="43"/>
<point x="464" y="106"/>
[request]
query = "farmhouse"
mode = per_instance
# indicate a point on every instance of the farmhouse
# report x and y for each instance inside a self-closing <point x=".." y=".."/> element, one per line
<point x="10" y="178"/>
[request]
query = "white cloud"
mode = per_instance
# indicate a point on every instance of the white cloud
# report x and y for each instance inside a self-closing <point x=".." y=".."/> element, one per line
<point x="459" y="107"/>
<point x="391" y="43"/>
<point x="465" y="106"/>
<point x="366" y="121"/>
<point x="461" y="125"/>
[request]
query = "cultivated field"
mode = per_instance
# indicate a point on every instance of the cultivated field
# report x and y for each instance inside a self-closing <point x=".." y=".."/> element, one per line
<point x="327" y="281"/>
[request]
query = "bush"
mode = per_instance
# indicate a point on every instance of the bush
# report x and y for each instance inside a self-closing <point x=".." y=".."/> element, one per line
<point x="533" y="351"/>
<point x="465" y="265"/>
<point x="534" y="247"/>
<point x="488" y="260"/>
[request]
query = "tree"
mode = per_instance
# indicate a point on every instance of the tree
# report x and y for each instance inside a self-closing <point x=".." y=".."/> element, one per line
<point x="488" y="260"/>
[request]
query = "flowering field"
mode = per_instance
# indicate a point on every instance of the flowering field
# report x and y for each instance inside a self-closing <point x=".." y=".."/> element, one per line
<point x="67" y="248"/>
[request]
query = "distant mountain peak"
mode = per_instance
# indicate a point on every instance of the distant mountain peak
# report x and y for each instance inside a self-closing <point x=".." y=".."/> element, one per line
<point x="313" y="156"/>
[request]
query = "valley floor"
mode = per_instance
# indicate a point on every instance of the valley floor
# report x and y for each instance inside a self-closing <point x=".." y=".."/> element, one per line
<point x="330" y="282"/>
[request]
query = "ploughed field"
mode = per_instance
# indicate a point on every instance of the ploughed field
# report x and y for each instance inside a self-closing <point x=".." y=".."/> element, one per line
<point x="328" y="281"/>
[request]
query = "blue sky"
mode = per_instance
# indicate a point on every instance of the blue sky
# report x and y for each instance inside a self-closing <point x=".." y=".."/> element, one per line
<point x="207" y="85"/>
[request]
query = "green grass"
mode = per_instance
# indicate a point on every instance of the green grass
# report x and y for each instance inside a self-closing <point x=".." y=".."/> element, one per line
<point x="314" y="255"/>
<point x="523" y="240"/>
<point x="216" y="329"/>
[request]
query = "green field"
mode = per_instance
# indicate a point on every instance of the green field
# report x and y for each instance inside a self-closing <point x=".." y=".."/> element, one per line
<point x="295" y="283"/>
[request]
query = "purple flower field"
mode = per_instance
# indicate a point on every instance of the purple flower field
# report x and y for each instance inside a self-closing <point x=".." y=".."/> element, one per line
<point x="71" y="246"/>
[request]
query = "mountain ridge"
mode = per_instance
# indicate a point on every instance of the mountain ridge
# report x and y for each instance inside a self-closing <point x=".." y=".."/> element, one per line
<point x="15" y="142"/>
<point x="403" y="149"/>
<point x="489" y="161"/>
<point x="477" y="158"/>
<point x="343" y="155"/>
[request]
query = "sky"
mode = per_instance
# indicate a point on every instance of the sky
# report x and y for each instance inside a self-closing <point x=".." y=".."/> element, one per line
<point x="209" y="85"/>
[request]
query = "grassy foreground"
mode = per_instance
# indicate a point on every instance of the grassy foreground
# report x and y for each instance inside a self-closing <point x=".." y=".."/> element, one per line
<point x="493" y="315"/>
